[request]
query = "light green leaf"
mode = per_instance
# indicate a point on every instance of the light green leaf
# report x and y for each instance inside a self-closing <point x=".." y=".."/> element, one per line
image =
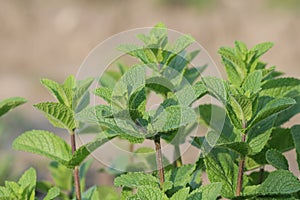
<point x="10" y="103"/>
<point x="235" y="67"/>
<point x="252" y="82"/>
<point x="56" y="90"/>
<point x="211" y="191"/>
<point x="276" y="159"/>
<point x="44" y="143"/>
<point x="199" y="89"/>
<point x="109" y="78"/>
<point x="52" y="193"/>
<point x="273" y="107"/>
<point x="58" y="114"/>
<point x="281" y="87"/>
<point x="181" y="194"/>
<point x="180" y="176"/>
<point x="173" y="117"/>
<point x="242" y="106"/>
<point x="108" y="193"/>
<point x="136" y="179"/>
<point x="91" y="194"/>
<point x="84" y="151"/>
<point x="81" y="93"/>
<point x="145" y="55"/>
<point x="279" y="182"/>
<point x="181" y="43"/>
<point x="262" y="48"/>
<point x="150" y="193"/>
<point x="216" y="87"/>
<point x="105" y="93"/>
<point x="28" y="183"/>
<point x="220" y="167"/>
<point x="137" y="104"/>
<point x="296" y="138"/>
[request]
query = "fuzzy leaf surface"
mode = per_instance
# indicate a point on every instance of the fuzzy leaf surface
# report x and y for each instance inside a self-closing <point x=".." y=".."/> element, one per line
<point x="44" y="143"/>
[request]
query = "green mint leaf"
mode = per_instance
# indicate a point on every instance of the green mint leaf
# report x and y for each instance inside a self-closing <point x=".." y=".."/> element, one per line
<point x="109" y="79"/>
<point x="279" y="182"/>
<point x="277" y="142"/>
<point x="262" y="48"/>
<point x="287" y="114"/>
<point x="273" y="107"/>
<point x="56" y="90"/>
<point x="28" y="183"/>
<point x="216" y="87"/>
<point x="215" y="117"/>
<point x="84" y="151"/>
<point x="281" y="87"/>
<point x="259" y="135"/>
<point x="91" y="194"/>
<point x="220" y="167"/>
<point x="52" y="193"/>
<point x="252" y="82"/>
<point x="180" y="176"/>
<point x="235" y="67"/>
<point x="10" y="103"/>
<point x="58" y="114"/>
<point x="192" y="74"/>
<point x="211" y="191"/>
<point x="173" y="117"/>
<point x="199" y="89"/>
<point x="276" y="159"/>
<point x="105" y="93"/>
<point x="242" y="106"/>
<point x="81" y="94"/>
<point x="145" y="55"/>
<point x="296" y="138"/>
<point x="135" y="180"/>
<point x="137" y="104"/>
<point x="159" y="84"/>
<point x="44" y="143"/>
<point x="150" y="193"/>
<point x="181" y="194"/>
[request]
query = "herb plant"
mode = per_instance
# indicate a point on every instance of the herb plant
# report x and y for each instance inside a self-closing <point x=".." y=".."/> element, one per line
<point x="244" y="135"/>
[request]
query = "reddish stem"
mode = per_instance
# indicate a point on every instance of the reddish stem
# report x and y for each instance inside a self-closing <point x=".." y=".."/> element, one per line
<point x="76" y="169"/>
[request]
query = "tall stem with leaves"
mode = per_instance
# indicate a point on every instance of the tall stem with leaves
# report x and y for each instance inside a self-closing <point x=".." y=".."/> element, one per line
<point x="72" y="97"/>
<point x="252" y="108"/>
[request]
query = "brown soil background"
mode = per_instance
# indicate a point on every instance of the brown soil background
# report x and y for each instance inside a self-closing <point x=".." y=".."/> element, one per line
<point x="51" y="38"/>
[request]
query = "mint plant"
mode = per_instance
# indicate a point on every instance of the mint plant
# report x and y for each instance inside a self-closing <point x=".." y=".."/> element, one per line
<point x="126" y="114"/>
<point x="256" y="104"/>
<point x="72" y="97"/>
<point x="25" y="188"/>
<point x="245" y="134"/>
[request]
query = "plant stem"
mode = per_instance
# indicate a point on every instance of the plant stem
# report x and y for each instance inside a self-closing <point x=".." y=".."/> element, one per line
<point x="159" y="163"/>
<point x="239" y="186"/>
<point x="177" y="156"/>
<point x="76" y="169"/>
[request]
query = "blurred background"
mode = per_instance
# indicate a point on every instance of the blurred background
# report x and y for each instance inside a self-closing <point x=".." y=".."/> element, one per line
<point x="50" y="39"/>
